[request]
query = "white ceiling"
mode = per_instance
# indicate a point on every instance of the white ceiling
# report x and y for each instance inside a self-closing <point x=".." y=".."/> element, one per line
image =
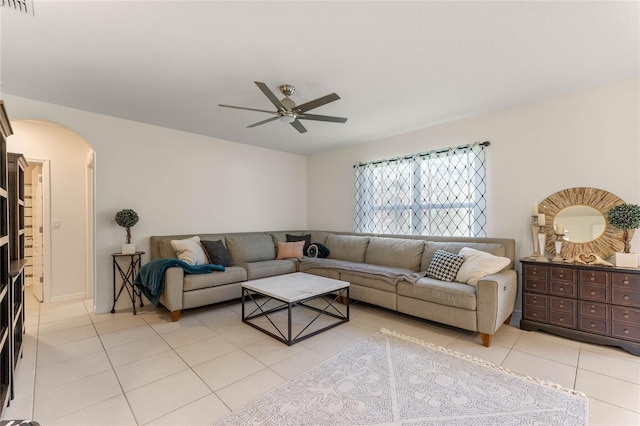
<point x="398" y="66"/>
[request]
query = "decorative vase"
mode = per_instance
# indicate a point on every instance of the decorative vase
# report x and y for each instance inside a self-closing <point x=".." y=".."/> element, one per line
<point x="128" y="248"/>
<point x="542" y="238"/>
<point x="627" y="260"/>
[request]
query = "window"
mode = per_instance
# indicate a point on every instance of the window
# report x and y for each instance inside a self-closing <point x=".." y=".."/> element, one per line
<point x="440" y="192"/>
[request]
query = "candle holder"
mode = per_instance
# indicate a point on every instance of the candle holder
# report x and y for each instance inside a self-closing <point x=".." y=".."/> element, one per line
<point x="538" y="238"/>
<point x="558" y="245"/>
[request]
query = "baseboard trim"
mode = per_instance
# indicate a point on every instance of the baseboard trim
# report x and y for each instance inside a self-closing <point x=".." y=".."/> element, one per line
<point x="69" y="297"/>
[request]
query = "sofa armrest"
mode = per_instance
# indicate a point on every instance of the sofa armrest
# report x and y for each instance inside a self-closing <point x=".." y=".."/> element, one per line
<point x="171" y="297"/>
<point x="496" y="299"/>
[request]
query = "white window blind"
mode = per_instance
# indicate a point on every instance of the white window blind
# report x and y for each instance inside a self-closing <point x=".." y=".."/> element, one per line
<point x="440" y="192"/>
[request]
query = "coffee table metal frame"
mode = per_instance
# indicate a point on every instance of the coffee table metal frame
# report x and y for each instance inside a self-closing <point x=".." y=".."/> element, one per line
<point x="331" y="297"/>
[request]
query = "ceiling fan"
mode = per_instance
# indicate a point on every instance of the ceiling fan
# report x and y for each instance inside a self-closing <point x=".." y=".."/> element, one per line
<point x="287" y="110"/>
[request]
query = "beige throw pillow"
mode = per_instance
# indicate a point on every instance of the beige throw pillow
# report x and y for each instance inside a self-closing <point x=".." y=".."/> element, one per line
<point x="290" y="250"/>
<point x="190" y="251"/>
<point x="478" y="264"/>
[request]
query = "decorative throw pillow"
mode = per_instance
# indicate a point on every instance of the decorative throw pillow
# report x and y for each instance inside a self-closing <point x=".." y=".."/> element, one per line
<point x="444" y="266"/>
<point x="296" y="238"/>
<point x="190" y="251"/>
<point x="217" y="252"/>
<point x="478" y="264"/>
<point x="290" y="250"/>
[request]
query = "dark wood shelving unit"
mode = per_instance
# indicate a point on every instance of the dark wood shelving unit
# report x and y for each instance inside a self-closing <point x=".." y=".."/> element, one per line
<point x="6" y="304"/>
<point x="16" y="166"/>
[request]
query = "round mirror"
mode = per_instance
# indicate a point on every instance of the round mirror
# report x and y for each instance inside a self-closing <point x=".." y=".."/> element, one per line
<point x="585" y="206"/>
<point x="579" y="223"/>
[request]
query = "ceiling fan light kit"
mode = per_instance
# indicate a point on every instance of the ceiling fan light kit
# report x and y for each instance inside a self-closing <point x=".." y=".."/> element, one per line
<point x="288" y="112"/>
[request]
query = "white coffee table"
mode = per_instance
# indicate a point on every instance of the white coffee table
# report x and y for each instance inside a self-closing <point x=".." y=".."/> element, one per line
<point x="264" y="298"/>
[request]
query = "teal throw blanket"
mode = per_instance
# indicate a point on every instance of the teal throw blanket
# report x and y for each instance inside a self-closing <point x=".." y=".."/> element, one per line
<point x="150" y="279"/>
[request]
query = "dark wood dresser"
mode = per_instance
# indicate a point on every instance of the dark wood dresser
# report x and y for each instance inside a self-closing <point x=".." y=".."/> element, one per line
<point x="595" y="304"/>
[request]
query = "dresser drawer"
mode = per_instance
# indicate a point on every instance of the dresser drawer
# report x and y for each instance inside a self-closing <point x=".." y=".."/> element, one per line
<point x="593" y="292"/>
<point x="560" y="288"/>
<point x="562" y="274"/>
<point x="564" y="305"/>
<point x="593" y="277"/>
<point x="535" y="314"/>
<point x="595" y="310"/>
<point x="535" y="300"/>
<point x="535" y="271"/>
<point x="626" y="331"/>
<point x="562" y="319"/>
<point x="622" y="280"/>
<point x="621" y="314"/>
<point x="622" y="296"/>
<point x="533" y="284"/>
<point x="593" y="325"/>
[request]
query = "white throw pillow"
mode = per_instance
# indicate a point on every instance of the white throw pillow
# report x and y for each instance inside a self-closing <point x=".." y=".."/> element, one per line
<point x="190" y="251"/>
<point x="478" y="264"/>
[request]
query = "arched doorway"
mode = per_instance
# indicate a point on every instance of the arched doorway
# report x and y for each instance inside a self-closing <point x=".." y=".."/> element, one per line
<point x="66" y="168"/>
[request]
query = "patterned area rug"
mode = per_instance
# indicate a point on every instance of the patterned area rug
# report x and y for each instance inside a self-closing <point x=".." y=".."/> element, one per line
<point x="394" y="379"/>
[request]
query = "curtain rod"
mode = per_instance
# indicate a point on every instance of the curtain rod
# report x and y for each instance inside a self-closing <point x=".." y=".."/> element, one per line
<point x="424" y="154"/>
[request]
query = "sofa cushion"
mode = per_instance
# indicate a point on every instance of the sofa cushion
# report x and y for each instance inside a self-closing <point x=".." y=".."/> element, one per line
<point x="232" y="274"/>
<point x="347" y="247"/>
<point x="295" y="238"/>
<point x="478" y="264"/>
<point x="440" y="292"/>
<point x="444" y="265"/>
<point x="431" y="247"/>
<point x="217" y="252"/>
<point x="190" y="251"/>
<point x="395" y="252"/>
<point x="292" y="250"/>
<point x="250" y="248"/>
<point x="269" y="268"/>
<point x="166" y="251"/>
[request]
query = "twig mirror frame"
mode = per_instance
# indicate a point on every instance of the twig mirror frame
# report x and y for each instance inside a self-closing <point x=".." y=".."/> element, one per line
<point x="609" y="242"/>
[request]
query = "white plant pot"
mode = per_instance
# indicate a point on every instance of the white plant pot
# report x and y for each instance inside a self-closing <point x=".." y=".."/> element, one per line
<point x="128" y="248"/>
<point x="627" y="260"/>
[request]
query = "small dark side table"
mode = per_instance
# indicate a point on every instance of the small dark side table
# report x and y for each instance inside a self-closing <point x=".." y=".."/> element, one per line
<point x="128" y="272"/>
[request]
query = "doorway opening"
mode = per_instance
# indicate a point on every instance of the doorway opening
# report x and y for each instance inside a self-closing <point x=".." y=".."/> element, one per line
<point x="37" y="233"/>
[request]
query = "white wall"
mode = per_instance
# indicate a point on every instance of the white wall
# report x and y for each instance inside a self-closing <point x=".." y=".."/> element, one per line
<point x="66" y="152"/>
<point x="587" y="138"/>
<point x="178" y="182"/>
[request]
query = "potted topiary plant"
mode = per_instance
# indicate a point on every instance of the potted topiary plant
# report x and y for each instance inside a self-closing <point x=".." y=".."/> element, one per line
<point x="127" y="218"/>
<point x="625" y="217"/>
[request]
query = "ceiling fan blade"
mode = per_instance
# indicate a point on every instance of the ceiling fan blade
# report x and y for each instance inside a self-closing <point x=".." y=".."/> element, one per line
<point x="298" y="126"/>
<point x="307" y="106"/>
<point x="317" y="117"/>
<point x="269" y="94"/>
<point x="248" y="109"/>
<point x="263" y="121"/>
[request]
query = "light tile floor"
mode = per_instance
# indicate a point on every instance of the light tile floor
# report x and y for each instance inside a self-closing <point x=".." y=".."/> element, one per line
<point x="79" y="368"/>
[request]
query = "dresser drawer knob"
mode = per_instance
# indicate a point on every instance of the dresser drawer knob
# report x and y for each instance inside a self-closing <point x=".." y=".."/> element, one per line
<point x="561" y="319"/>
<point x="534" y="285"/>
<point x="625" y="297"/>
<point x="535" y="300"/>
<point x="535" y="314"/>
<point x="593" y="325"/>
<point x="626" y="281"/>
<point x="593" y="311"/>
<point x="593" y="293"/>
<point x="592" y="278"/>
<point x="626" y="331"/>
<point x="561" y="289"/>
<point x="561" y="275"/>
<point x="561" y="305"/>
<point x="626" y="315"/>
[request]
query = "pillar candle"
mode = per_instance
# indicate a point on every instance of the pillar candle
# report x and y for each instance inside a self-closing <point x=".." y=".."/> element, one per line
<point x="541" y="220"/>
<point x="535" y="209"/>
<point x="559" y="228"/>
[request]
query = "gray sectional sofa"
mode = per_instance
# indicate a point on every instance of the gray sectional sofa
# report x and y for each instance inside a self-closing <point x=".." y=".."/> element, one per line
<point x="384" y="270"/>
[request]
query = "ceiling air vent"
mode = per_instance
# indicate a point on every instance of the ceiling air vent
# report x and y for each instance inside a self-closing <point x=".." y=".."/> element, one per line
<point x="24" y="6"/>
